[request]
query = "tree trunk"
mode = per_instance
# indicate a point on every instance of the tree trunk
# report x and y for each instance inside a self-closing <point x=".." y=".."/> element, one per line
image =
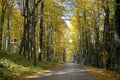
<point x="117" y="26"/>
<point x="64" y="55"/>
<point x="33" y="46"/>
<point x="41" y="30"/>
<point x="8" y="34"/>
<point x="2" y="21"/>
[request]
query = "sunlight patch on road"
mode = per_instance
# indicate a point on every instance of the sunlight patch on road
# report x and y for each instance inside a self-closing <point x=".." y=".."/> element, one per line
<point x="38" y="74"/>
<point x="64" y="71"/>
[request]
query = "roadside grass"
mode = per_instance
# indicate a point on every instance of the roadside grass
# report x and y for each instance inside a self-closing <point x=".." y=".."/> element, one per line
<point x="102" y="74"/>
<point x="16" y="67"/>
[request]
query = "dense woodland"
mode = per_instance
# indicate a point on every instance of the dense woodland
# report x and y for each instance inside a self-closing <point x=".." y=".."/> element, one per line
<point x="81" y="31"/>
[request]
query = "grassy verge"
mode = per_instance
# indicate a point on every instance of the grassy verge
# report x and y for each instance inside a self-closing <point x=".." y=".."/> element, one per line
<point x="16" y="67"/>
<point x="102" y="74"/>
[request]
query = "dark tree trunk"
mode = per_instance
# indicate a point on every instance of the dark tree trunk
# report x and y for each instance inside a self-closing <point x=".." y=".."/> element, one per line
<point x="106" y="35"/>
<point x="33" y="46"/>
<point x="2" y="20"/>
<point x="28" y="31"/>
<point x="117" y="26"/>
<point x="22" y="44"/>
<point x="85" y="37"/>
<point x="41" y="30"/>
<point x="106" y="30"/>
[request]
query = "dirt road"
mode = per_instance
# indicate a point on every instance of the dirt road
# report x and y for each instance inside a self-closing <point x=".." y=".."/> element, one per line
<point x="68" y="71"/>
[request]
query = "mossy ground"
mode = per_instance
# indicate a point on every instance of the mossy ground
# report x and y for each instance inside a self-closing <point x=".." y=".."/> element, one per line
<point x="16" y="67"/>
